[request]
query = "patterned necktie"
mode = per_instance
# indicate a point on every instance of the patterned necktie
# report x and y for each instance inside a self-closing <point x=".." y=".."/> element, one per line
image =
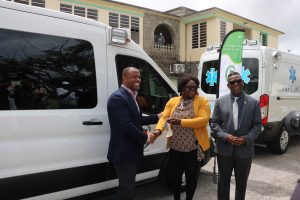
<point x="235" y="112"/>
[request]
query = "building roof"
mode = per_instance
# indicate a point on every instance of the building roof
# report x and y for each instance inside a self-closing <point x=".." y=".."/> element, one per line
<point x="181" y="11"/>
<point x="214" y="9"/>
<point x="139" y="7"/>
<point x="184" y="12"/>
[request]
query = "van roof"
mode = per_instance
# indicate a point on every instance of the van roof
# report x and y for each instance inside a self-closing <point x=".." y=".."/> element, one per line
<point x="50" y="13"/>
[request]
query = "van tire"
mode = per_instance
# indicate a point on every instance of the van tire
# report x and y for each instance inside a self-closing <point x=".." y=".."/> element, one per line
<point x="280" y="144"/>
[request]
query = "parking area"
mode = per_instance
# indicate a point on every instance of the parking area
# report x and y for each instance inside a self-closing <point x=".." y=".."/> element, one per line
<point x="273" y="177"/>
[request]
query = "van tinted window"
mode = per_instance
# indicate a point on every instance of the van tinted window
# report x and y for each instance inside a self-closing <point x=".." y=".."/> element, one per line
<point x="154" y="92"/>
<point x="40" y="71"/>
<point x="248" y="63"/>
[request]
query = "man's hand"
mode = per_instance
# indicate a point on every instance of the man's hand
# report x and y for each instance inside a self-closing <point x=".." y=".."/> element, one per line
<point x="174" y="121"/>
<point x="231" y="139"/>
<point x="151" y="138"/>
<point x="156" y="132"/>
<point x="159" y="115"/>
<point x="240" y="141"/>
<point x="237" y="141"/>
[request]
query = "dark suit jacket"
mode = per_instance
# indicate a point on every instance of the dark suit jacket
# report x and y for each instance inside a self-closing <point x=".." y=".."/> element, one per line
<point x="127" y="139"/>
<point x="249" y="125"/>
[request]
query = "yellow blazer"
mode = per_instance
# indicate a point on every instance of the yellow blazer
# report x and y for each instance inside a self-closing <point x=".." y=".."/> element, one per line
<point x="199" y="123"/>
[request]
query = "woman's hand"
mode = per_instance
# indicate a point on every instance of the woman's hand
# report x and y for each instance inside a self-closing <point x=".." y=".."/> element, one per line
<point x="174" y="121"/>
<point x="156" y="132"/>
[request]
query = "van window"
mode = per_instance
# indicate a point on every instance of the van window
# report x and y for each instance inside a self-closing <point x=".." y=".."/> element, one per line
<point x="154" y="92"/>
<point x="248" y="63"/>
<point x="40" y="71"/>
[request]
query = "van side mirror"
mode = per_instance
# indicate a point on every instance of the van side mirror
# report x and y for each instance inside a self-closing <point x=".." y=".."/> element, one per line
<point x="119" y="36"/>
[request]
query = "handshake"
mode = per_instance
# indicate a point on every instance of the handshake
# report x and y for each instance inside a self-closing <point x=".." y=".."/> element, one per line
<point x="152" y="135"/>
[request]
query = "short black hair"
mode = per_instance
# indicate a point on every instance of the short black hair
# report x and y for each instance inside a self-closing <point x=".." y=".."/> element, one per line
<point x="232" y="73"/>
<point x="184" y="80"/>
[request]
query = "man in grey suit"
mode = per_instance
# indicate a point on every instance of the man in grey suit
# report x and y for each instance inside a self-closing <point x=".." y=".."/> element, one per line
<point x="236" y="123"/>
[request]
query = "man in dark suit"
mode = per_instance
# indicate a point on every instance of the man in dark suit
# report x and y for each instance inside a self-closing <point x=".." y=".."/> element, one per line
<point x="236" y="122"/>
<point x="127" y="139"/>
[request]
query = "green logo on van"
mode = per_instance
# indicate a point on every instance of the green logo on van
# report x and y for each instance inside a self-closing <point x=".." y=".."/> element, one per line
<point x="229" y="69"/>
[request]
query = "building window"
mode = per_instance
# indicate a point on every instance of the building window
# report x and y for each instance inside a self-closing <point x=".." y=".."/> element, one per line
<point x="114" y="20"/>
<point x="80" y="11"/>
<point x="38" y="3"/>
<point x="264" y="39"/>
<point x="124" y="22"/>
<point x="92" y="14"/>
<point x="135" y="30"/>
<point x="22" y="1"/>
<point x="199" y="39"/>
<point x="203" y="34"/>
<point x="222" y="30"/>
<point x="195" y="36"/>
<point x="66" y="8"/>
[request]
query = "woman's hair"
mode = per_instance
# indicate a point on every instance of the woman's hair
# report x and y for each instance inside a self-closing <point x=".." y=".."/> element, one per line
<point x="184" y="80"/>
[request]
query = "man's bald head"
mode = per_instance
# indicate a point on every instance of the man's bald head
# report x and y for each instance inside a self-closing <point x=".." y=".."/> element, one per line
<point x="127" y="70"/>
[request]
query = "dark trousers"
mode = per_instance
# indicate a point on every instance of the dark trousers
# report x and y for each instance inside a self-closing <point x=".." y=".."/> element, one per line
<point x="296" y="193"/>
<point x="241" y="167"/>
<point x="126" y="174"/>
<point x="184" y="162"/>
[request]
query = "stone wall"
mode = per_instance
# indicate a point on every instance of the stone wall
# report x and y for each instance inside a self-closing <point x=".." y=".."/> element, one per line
<point x="162" y="57"/>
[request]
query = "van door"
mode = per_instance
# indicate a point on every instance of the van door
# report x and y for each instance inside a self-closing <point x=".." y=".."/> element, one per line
<point x="153" y="95"/>
<point x="252" y="75"/>
<point x="54" y="126"/>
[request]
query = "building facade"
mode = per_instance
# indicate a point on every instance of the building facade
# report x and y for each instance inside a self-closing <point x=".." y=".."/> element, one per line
<point x="175" y="39"/>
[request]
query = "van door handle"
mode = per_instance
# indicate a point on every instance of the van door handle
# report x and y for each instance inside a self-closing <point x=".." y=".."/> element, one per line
<point x="92" y="123"/>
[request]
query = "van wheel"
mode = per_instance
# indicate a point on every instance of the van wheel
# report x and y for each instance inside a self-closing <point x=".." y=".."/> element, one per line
<point x="280" y="144"/>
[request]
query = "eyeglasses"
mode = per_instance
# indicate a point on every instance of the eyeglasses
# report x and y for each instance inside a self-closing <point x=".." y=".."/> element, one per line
<point x="191" y="87"/>
<point x="236" y="81"/>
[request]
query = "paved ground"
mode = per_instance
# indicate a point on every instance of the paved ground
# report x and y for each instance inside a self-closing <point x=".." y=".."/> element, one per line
<point x="273" y="177"/>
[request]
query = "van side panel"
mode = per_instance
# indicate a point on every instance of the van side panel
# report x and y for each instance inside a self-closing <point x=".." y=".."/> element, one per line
<point x="52" y="149"/>
<point x="285" y="96"/>
<point x="59" y="151"/>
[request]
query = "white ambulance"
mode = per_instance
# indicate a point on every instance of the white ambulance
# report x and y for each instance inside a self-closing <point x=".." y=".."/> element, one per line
<point x="56" y="73"/>
<point x="272" y="77"/>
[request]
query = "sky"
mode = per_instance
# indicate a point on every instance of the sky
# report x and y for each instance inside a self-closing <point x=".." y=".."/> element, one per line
<point x="282" y="15"/>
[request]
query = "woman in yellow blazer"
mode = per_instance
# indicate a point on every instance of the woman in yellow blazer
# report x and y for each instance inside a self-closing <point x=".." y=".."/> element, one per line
<point x="188" y="116"/>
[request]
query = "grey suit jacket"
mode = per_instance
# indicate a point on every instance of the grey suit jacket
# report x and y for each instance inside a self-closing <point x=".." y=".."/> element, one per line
<point x="249" y="125"/>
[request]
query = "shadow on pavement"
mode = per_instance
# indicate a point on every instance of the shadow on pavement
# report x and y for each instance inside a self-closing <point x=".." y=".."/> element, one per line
<point x="149" y="191"/>
<point x="267" y="189"/>
<point x="289" y="161"/>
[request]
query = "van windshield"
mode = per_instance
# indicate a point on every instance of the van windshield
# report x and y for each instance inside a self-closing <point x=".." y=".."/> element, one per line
<point x="251" y="64"/>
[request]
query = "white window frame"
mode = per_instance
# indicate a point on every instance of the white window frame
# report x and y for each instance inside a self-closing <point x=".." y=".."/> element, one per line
<point x="92" y="13"/>
<point x="203" y="34"/>
<point x="114" y="19"/>
<point x="264" y="39"/>
<point x="223" y="30"/>
<point x="195" y="36"/>
<point x="135" y="29"/>
<point x="38" y="3"/>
